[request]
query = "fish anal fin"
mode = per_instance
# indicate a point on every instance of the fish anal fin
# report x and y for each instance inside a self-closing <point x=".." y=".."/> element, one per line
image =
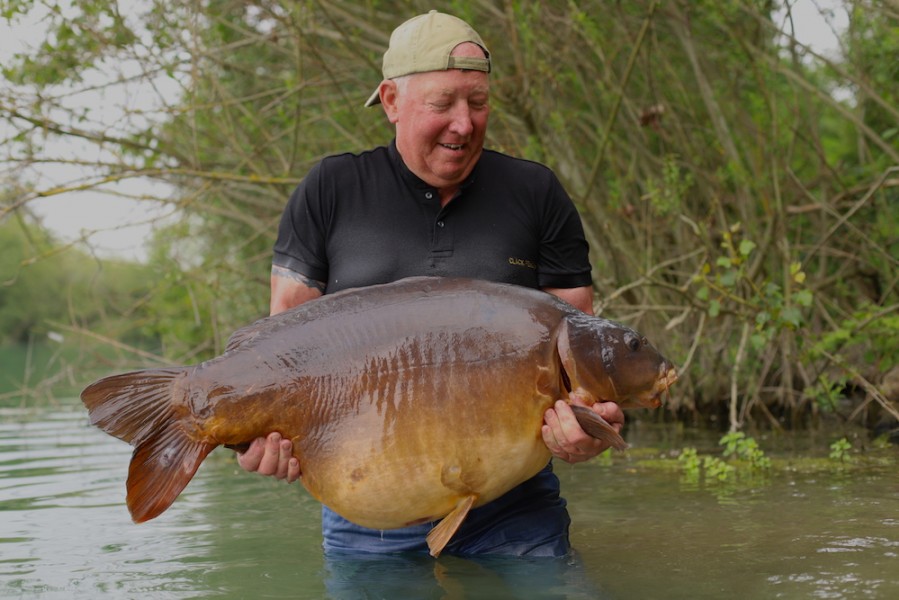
<point x="598" y="427"/>
<point x="441" y="534"/>
<point x="161" y="467"/>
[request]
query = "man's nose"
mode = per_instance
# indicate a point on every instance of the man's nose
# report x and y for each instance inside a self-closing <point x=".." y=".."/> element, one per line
<point x="461" y="120"/>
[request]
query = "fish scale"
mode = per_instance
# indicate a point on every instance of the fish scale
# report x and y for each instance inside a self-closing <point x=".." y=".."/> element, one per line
<point x="406" y="402"/>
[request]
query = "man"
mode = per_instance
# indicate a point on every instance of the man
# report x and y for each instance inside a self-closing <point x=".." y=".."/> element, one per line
<point x="434" y="202"/>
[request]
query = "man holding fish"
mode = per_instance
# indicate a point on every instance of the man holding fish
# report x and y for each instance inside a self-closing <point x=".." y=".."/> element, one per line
<point x="434" y="202"/>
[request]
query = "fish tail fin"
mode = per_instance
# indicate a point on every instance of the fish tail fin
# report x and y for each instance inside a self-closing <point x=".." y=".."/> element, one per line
<point x="132" y="406"/>
<point x="160" y="469"/>
<point x="440" y="535"/>
<point x="598" y="427"/>
<point x="139" y="408"/>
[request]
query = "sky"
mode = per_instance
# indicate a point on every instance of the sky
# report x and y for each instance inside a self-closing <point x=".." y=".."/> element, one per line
<point x="117" y="225"/>
<point x="118" y="220"/>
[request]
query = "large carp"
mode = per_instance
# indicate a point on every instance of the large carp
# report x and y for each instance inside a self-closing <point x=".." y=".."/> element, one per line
<point x="405" y="402"/>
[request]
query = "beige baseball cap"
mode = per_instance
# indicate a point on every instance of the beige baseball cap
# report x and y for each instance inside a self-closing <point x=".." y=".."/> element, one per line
<point x="424" y="43"/>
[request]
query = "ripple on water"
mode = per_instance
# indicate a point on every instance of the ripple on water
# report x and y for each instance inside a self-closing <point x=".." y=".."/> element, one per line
<point x="65" y="532"/>
<point x="62" y="516"/>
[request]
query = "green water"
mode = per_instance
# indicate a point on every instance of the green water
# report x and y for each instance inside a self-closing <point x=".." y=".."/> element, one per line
<point x="640" y="531"/>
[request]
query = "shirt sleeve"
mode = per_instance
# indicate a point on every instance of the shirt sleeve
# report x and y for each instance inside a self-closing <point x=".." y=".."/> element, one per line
<point x="564" y="253"/>
<point x="302" y="234"/>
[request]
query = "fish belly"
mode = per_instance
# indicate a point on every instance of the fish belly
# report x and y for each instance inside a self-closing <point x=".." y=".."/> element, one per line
<point x="412" y="458"/>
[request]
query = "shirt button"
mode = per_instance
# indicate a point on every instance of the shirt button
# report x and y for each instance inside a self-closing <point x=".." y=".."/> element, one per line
<point x="429" y="195"/>
<point x="439" y="223"/>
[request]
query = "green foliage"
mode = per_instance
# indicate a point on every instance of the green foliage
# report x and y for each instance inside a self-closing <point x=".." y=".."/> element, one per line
<point x="741" y="457"/>
<point x="80" y="34"/>
<point x="737" y="445"/>
<point x="732" y="285"/>
<point x="840" y="451"/>
<point x="668" y="192"/>
<point x="20" y="296"/>
<point x="44" y="284"/>
<point x="691" y="463"/>
<point x="711" y="468"/>
<point x="717" y="469"/>
<point x="868" y="332"/>
<point x="56" y="302"/>
<point x="827" y="394"/>
<point x="740" y="199"/>
<point x="37" y="282"/>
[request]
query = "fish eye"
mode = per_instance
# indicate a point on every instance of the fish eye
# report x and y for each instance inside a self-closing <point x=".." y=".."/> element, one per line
<point x="633" y="343"/>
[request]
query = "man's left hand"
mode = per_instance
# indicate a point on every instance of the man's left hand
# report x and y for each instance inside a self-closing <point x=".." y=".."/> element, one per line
<point x="564" y="437"/>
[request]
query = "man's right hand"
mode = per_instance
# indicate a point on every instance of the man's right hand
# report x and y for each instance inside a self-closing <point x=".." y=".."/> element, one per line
<point x="271" y="456"/>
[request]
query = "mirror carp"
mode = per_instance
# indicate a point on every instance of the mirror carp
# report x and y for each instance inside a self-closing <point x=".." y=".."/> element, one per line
<point x="407" y="402"/>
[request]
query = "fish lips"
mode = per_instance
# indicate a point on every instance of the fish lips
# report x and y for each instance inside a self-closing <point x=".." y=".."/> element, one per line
<point x="654" y="398"/>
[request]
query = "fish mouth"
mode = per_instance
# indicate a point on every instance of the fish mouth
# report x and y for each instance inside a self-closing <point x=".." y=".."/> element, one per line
<point x="653" y="398"/>
<point x="662" y="387"/>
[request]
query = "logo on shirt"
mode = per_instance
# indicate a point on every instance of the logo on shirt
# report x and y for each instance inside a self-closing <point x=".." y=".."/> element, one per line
<point x="522" y="262"/>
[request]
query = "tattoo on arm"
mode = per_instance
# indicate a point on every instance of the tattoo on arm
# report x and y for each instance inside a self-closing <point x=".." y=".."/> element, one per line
<point x="298" y="277"/>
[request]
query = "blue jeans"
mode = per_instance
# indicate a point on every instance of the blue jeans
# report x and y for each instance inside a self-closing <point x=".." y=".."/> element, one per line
<point x="529" y="520"/>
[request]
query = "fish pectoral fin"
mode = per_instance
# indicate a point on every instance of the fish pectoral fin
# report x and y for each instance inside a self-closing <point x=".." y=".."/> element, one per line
<point x="598" y="427"/>
<point x="161" y="467"/>
<point x="440" y="536"/>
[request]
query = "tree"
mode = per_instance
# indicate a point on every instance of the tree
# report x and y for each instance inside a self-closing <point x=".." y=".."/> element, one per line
<point x="732" y="189"/>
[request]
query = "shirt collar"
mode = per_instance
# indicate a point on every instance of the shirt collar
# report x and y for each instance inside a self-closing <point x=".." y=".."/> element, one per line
<point x="414" y="179"/>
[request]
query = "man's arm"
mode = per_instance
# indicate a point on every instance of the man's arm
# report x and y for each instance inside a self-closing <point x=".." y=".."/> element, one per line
<point x="562" y="434"/>
<point x="580" y="297"/>
<point x="272" y="455"/>
<point x="290" y="289"/>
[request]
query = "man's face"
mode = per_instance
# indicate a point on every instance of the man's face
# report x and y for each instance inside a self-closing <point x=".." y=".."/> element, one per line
<point x="441" y="121"/>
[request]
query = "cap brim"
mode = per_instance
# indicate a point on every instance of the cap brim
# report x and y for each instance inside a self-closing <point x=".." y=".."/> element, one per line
<point x="374" y="99"/>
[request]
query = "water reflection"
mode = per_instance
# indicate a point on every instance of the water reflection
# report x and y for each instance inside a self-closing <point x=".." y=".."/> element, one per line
<point x="640" y="533"/>
<point x="63" y="530"/>
<point x="356" y="577"/>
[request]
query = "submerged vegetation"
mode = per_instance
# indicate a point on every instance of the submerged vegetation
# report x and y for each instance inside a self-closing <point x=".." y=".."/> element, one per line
<point x="738" y="467"/>
<point x="740" y="189"/>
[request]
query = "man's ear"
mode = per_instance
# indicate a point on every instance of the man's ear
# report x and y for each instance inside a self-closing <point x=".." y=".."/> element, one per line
<point x="389" y="95"/>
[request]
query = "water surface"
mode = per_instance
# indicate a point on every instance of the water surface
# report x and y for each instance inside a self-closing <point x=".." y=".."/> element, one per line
<point x="639" y="532"/>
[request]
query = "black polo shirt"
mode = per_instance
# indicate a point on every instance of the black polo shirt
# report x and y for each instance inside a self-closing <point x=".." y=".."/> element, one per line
<point x="364" y="219"/>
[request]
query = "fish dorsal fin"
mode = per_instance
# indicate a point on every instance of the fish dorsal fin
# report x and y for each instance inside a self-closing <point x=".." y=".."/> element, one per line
<point x="440" y="536"/>
<point x="598" y="427"/>
<point x="242" y="336"/>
